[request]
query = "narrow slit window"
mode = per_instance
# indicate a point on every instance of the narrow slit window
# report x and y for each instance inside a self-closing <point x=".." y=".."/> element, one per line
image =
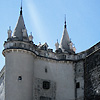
<point x="78" y="85"/>
<point x="46" y="70"/>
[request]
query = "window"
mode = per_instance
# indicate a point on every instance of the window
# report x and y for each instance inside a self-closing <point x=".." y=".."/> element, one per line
<point x="15" y="44"/>
<point x="46" y="70"/>
<point x="46" y="85"/>
<point x="78" y="85"/>
<point x="19" y="77"/>
<point x="44" y="98"/>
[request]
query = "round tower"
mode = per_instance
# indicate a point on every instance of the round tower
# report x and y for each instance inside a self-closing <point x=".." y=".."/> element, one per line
<point x="19" y="63"/>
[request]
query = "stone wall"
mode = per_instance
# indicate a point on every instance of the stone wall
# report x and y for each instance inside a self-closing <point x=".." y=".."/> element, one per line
<point x="92" y="76"/>
<point x="48" y="91"/>
<point x="79" y="74"/>
<point x="61" y="76"/>
<point x="18" y="75"/>
<point x="2" y="86"/>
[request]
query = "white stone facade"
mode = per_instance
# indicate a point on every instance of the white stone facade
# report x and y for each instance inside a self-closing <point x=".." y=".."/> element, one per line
<point x="34" y="72"/>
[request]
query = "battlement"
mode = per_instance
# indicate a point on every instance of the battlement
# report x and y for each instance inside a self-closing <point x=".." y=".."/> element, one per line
<point x="43" y="51"/>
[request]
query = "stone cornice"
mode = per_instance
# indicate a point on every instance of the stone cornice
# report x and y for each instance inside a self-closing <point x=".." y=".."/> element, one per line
<point x="37" y="56"/>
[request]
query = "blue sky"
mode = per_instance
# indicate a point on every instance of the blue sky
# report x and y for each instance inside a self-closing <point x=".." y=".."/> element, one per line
<point x="45" y="19"/>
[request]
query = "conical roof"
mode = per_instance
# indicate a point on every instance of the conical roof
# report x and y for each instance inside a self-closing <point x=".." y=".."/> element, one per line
<point x="65" y="41"/>
<point x="20" y="26"/>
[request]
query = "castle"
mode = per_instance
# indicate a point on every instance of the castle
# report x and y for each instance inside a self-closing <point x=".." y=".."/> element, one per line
<point x="35" y="72"/>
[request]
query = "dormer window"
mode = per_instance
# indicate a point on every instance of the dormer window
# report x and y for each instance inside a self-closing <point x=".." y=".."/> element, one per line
<point x="44" y="46"/>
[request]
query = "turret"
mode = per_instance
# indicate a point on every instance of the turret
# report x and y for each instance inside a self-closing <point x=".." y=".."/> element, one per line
<point x="20" y="32"/>
<point x="71" y="45"/>
<point x="74" y="49"/>
<point x="57" y="45"/>
<point x="9" y="32"/>
<point x="19" y="63"/>
<point x="30" y="37"/>
<point x="66" y="44"/>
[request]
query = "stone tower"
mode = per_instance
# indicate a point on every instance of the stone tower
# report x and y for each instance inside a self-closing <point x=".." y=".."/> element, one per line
<point x="35" y="72"/>
<point x="18" y="63"/>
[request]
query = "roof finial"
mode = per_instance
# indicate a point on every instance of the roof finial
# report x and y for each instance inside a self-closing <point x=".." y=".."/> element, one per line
<point x="21" y="8"/>
<point x="57" y="40"/>
<point x="65" y="21"/>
